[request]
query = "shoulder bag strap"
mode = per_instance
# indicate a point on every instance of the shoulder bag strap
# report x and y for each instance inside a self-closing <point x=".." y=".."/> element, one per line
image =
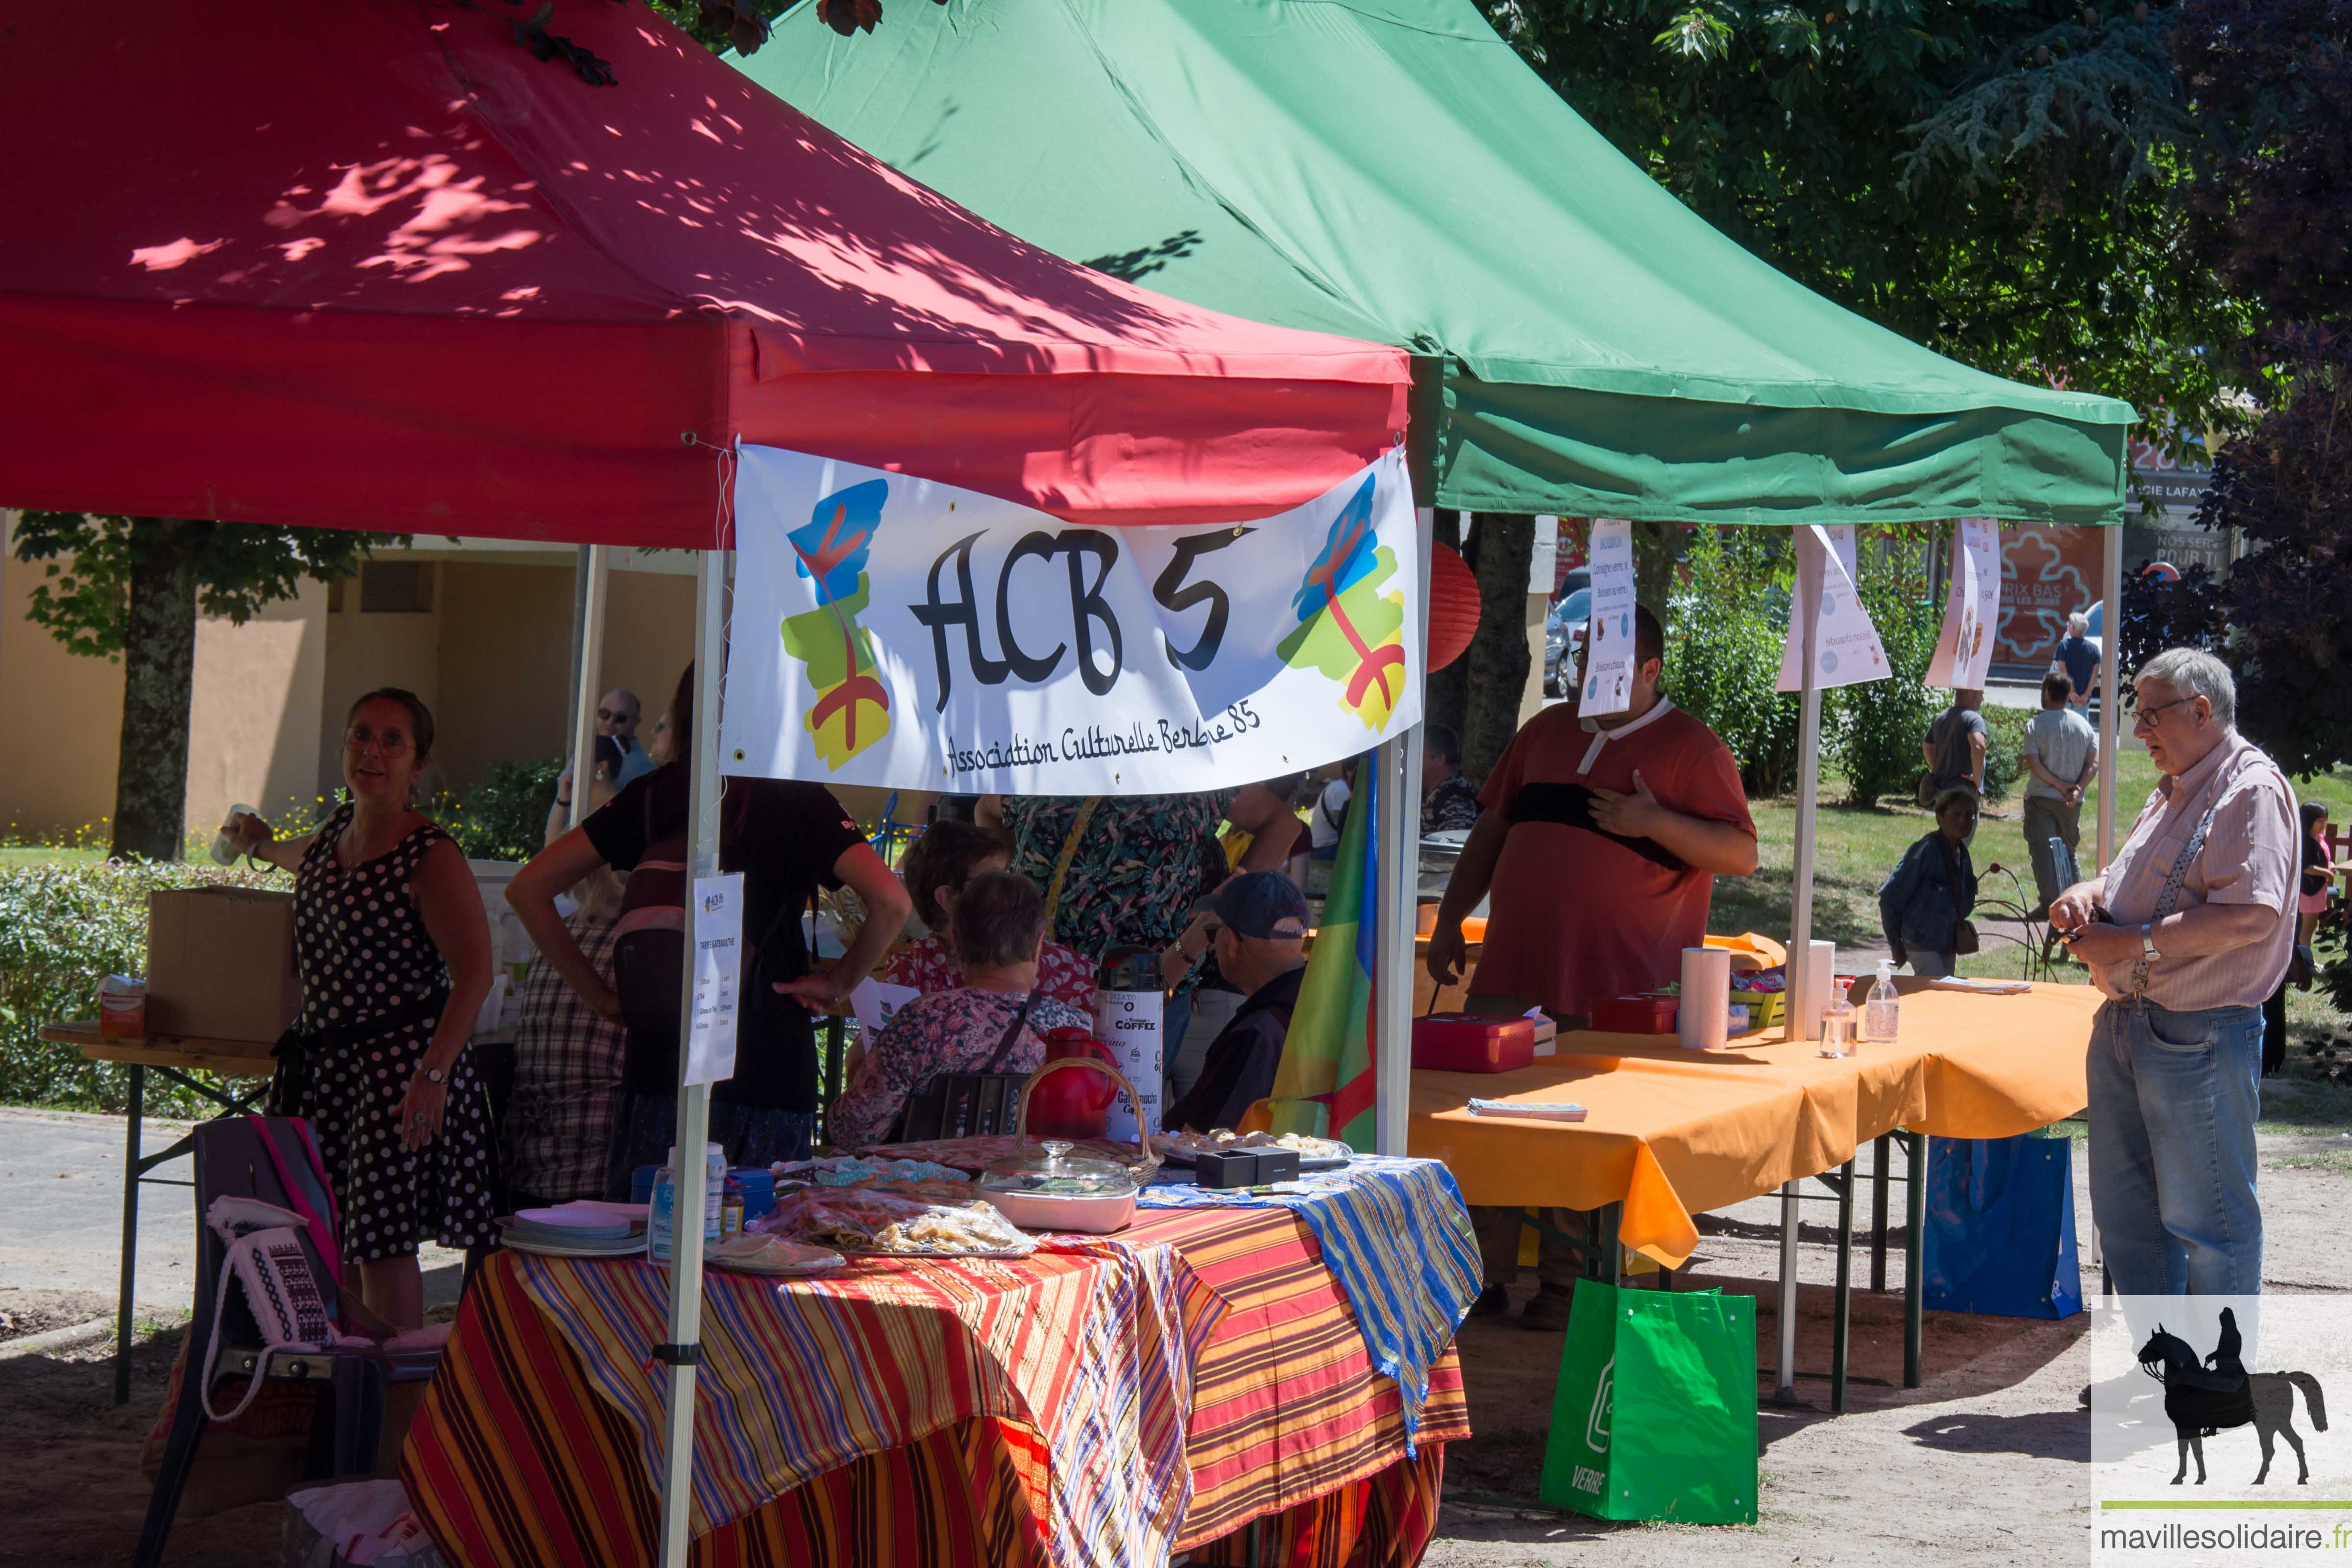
<point x="2180" y="874"/>
<point x="996" y="1062"/>
<point x="1062" y="861"/>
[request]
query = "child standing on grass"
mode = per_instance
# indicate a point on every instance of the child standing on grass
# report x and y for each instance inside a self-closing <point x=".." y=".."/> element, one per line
<point x="1934" y="890"/>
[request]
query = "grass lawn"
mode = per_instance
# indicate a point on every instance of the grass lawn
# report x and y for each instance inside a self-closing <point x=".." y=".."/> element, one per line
<point x="13" y="855"/>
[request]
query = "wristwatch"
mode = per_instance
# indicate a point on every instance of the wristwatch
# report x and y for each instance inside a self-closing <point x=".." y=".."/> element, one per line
<point x="441" y="1075"/>
<point x="2147" y="942"/>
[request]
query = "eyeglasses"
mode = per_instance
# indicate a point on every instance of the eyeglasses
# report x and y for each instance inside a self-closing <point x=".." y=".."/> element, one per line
<point x="616" y="716"/>
<point x="2146" y="715"/>
<point x="391" y="743"/>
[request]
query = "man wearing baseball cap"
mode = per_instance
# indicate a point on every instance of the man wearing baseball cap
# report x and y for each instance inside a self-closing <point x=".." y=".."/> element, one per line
<point x="1257" y="923"/>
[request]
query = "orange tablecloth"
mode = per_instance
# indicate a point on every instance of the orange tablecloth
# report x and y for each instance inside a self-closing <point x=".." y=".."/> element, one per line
<point x="1672" y="1133"/>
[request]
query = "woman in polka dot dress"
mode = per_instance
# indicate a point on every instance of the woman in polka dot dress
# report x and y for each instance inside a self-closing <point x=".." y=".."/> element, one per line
<point x="395" y="953"/>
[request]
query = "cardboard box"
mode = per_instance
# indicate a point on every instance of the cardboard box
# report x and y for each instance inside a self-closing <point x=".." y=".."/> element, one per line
<point x="220" y="963"/>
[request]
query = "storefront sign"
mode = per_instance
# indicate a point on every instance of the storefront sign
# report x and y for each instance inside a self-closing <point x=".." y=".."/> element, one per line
<point x="1846" y="649"/>
<point x="894" y="632"/>
<point x="2048" y="572"/>
<point x="1609" y="634"/>
<point x="1972" y="607"/>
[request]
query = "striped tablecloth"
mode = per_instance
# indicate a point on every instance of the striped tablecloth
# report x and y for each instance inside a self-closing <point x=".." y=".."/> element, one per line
<point x="522" y="1454"/>
<point x="1397" y="1237"/>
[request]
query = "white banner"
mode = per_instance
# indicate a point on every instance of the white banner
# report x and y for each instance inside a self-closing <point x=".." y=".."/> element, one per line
<point x="1972" y="607"/>
<point x="1846" y="649"/>
<point x="1609" y="634"/>
<point x="900" y="633"/>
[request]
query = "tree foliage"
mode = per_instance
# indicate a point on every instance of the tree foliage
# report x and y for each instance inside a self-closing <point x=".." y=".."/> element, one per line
<point x="1995" y="179"/>
<point x="2271" y="210"/>
<point x="89" y="559"/>
<point x="1727" y="625"/>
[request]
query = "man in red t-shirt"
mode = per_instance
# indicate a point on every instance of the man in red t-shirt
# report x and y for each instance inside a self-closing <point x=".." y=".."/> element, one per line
<point x="1598" y="845"/>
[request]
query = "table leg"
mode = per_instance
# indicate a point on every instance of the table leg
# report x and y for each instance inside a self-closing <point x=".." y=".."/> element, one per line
<point x="1841" y="1313"/>
<point x="1882" y="1155"/>
<point x="138" y="1109"/>
<point x="1785" y="1389"/>
<point x="1611" y="1259"/>
<point x="1914" y="1262"/>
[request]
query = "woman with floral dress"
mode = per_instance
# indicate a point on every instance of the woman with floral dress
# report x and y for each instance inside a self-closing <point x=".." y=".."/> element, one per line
<point x="394" y="955"/>
<point x="997" y="1021"/>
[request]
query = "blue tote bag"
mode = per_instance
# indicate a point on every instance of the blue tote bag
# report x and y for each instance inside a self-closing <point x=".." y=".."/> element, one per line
<point x="2000" y="1227"/>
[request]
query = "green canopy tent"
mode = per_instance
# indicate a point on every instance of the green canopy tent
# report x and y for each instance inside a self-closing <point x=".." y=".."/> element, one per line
<point x="1390" y="170"/>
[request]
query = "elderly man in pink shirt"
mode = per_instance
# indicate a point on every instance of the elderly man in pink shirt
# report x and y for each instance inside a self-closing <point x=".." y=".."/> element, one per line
<point x="2186" y="931"/>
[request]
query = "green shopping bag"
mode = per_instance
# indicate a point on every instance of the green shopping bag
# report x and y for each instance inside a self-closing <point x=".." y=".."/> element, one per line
<point x="1655" y="1416"/>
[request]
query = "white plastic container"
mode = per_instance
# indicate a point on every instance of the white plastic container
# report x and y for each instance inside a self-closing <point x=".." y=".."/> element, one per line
<point x="661" y="1221"/>
<point x="1882" y="1015"/>
<point x="224" y="852"/>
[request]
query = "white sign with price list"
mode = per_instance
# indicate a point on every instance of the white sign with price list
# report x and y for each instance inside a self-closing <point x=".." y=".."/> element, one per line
<point x="717" y="927"/>
<point x="1609" y="637"/>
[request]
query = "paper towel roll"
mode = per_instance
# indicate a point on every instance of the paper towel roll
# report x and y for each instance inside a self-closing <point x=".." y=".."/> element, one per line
<point x="1703" y="1017"/>
<point x="1820" y="970"/>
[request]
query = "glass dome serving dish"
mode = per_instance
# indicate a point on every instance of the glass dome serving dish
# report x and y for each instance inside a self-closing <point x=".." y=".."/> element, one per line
<point x="1055" y="1186"/>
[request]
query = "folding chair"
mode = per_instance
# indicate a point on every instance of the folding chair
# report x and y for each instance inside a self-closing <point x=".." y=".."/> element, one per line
<point x="274" y="1161"/>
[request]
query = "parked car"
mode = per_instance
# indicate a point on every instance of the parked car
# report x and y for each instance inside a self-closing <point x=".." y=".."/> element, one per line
<point x="1564" y="627"/>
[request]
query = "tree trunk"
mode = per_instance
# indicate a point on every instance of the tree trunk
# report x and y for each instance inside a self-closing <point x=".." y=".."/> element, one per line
<point x="1497" y="660"/>
<point x="1655" y="545"/>
<point x="1445" y="693"/>
<point x="159" y="668"/>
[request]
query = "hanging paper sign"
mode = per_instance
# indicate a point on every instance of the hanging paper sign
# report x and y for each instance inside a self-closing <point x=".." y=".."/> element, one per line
<point x="900" y="633"/>
<point x="718" y="930"/>
<point x="1846" y="649"/>
<point x="1972" y="607"/>
<point x="1609" y="636"/>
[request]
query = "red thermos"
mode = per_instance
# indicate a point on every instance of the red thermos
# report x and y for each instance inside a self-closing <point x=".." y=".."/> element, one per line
<point x="1072" y="1105"/>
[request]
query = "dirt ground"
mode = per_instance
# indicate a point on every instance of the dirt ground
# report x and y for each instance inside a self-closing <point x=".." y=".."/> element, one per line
<point x="1985" y="1463"/>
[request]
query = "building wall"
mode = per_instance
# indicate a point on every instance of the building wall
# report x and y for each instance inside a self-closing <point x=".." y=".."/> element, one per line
<point x="64" y="718"/>
<point x="649" y="636"/>
<point x="255" y="719"/>
<point x="506" y="655"/>
<point x="365" y="651"/>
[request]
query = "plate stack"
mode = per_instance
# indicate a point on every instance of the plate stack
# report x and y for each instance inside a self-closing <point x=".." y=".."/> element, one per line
<point x="578" y="1230"/>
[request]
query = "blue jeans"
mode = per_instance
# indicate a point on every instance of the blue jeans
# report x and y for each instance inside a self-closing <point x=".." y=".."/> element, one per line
<point x="2173" y="1102"/>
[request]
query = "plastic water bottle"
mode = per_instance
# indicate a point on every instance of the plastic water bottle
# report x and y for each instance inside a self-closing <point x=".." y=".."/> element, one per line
<point x="1882" y="1015"/>
<point x="661" y="1217"/>
<point x="224" y="852"/>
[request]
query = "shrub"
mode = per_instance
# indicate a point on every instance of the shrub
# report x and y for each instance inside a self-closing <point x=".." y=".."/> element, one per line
<point x="2004" y="750"/>
<point x="63" y="927"/>
<point x="1728" y="623"/>
<point x="1873" y="730"/>
<point x="504" y="815"/>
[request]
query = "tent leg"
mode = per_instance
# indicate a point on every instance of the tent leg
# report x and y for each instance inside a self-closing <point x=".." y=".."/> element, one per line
<point x="683" y="1348"/>
<point x="1808" y="780"/>
<point x="1784" y="1377"/>
<point x="2111" y="584"/>
<point x="1397" y="829"/>
<point x="594" y="573"/>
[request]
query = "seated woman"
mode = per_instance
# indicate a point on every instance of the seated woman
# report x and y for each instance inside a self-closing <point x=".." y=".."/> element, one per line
<point x="997" y="1021"/>
<point x="1934" y="890"/>
<point x="937" y="867"/>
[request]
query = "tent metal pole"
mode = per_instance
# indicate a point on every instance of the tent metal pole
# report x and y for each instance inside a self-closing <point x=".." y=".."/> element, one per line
<point x="1784" y="1376"/>
<point x="1808" y="780"/>
<point x="1397" y="763"/>
<point x="2111" y="585"/>
<point x="588" y="656"/>
<point x="693" y="1099"/>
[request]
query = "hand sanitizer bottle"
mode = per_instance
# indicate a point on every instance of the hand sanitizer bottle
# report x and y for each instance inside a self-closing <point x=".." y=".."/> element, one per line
<point x="1882" y="1017"/>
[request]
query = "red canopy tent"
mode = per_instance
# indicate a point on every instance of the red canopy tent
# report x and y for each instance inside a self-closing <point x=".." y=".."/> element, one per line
<point x="373" y="264"/>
